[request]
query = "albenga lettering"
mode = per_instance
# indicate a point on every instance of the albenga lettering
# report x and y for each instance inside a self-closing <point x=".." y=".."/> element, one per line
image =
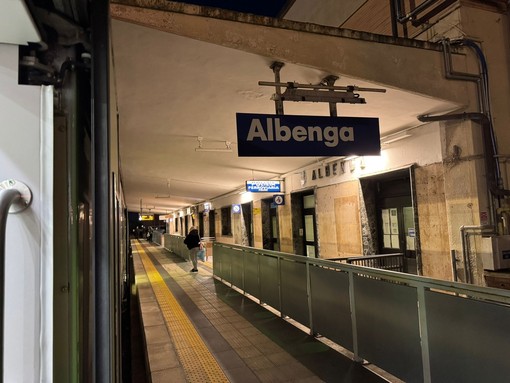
<point x="273" y="131"/>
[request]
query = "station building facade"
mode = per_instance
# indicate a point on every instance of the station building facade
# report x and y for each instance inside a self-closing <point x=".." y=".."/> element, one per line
<point x="437" y="193"/>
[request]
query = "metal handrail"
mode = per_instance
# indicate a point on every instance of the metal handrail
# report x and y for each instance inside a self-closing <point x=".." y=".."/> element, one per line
<point x="269" y="277"/>
<point x="12" y="200"/>
<point x="393" y="261"/>
<point x="375" y="256"/>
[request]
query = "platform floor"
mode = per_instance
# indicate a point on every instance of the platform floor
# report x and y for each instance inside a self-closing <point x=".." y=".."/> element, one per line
<point x="197" y="329"/>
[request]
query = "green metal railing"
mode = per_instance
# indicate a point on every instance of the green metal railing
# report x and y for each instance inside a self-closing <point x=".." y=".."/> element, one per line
<point x="175" y="244"/>
<point x="418" y="329"/>
<point x="394" y="262"/>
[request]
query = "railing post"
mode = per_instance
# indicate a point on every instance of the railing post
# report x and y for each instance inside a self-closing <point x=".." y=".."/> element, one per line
<point x="352" y="303"/>
<point x="279" y="263"/>
<point x="424" y="334"/>
<point x="14" y="198"/>
<point x="244" y="271"/>
<point x="309" y="296"/>
<point x="258" y="279"/>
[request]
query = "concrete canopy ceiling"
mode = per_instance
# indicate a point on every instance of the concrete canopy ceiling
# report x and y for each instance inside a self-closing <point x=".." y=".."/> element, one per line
<point x="172" y="89"/>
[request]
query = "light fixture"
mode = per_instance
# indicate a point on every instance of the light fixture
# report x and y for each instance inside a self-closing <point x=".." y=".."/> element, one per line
<point x="394" y="137"/>
<point x="168" y="195"/>
<point x="226" y="149"/>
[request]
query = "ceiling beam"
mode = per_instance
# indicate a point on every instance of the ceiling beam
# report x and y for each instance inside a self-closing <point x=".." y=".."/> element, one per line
<point x="406" y="64"/>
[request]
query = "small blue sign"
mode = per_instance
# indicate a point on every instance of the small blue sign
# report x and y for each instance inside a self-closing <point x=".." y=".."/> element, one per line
<point x="264" y="186"/>
<point x="236" y="208"/>
<point x="269" y="135"/>
<point x="279" y="199"/>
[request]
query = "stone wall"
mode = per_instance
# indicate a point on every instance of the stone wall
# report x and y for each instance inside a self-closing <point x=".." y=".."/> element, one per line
<point x="434" y="238"/>
<point x="285" y="223"/>
<point x="338" y="220"/>
<point x="257" y="224"/>
<point x="368" y="218"/>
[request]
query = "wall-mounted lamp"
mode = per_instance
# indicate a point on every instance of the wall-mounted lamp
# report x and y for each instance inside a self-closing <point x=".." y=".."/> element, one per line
<point x="226" y="149"/>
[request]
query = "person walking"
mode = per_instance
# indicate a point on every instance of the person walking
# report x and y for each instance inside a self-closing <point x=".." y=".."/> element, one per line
<point x="192" y="241"/>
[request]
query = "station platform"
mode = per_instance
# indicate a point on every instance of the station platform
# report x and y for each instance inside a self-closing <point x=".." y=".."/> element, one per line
<point x="197" y="329"/>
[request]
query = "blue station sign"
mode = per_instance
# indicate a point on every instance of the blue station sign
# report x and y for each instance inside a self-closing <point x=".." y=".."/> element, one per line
<point x="270" y="135"/>
<point x="264" y="186"/>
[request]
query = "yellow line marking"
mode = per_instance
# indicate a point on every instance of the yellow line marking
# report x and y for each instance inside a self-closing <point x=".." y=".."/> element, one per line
<point x="198" y="362"/>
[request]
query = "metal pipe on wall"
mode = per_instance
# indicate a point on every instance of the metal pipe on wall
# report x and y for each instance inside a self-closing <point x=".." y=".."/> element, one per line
<point x="393" y="16"/>
<point x="414" y="12"/>
<point x="453" y="75"/>
<point x="453" y="258"/>
<point x="464" y="239"/>
<point x="492" y="167"/>
<point x="482" y="82"/>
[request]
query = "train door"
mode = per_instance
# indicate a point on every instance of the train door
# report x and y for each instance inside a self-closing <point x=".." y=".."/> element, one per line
<point x="73" y="263"/>
<point x="396" y="219"/>
<point x="270" y="227"/>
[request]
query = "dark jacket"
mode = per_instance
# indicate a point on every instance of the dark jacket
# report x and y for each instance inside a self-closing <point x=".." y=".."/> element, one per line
<point x="192" y="239"/>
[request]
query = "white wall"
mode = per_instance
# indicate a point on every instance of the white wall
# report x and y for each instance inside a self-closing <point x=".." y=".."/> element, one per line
<point x="25" y="150"/>
<point x="422" y="147"/>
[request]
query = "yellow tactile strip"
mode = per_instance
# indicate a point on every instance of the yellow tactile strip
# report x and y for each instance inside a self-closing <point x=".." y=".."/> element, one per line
<point x="198" y="363"/>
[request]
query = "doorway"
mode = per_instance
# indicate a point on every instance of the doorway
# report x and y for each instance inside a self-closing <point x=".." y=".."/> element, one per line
<point x="396" y="222"/>
<point x="248" y="223"/>
<point x="309" y="225"/>
<point x="270" y="227"/>
<point x="212" y="224"/>
<point x="304" y="225"/>
<point x="201" y="224"/>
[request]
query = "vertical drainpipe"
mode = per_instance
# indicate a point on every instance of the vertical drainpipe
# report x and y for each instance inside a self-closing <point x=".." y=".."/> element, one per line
<point x="493" y="175"/>
<point x="104" y="370"/>
<point x="489" y="155"/>
<point x="414" y="203"/>
<point x="464" y="238"/>
<point x="492" y="183"/>
<point x="393" y="15"/>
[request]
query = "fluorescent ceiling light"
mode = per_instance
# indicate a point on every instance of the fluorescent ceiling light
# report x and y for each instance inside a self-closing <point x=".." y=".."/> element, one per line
<point x="390" y="139"/>
<point x="226" y="149"/>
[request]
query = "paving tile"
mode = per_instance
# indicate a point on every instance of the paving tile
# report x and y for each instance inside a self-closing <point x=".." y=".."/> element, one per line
<point x="248" y="352"/>
<point x="162" y="356"/>
<point x="174" y="375"/>
<point x="260" y="362"/>
<point x="269" y="375"/>
<point x="251" y="343"/>
<point x="156" y="334"/>
<point x="230" y="360"/>
<point x="242" y="376"/>
<point x="153" y="318"/>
